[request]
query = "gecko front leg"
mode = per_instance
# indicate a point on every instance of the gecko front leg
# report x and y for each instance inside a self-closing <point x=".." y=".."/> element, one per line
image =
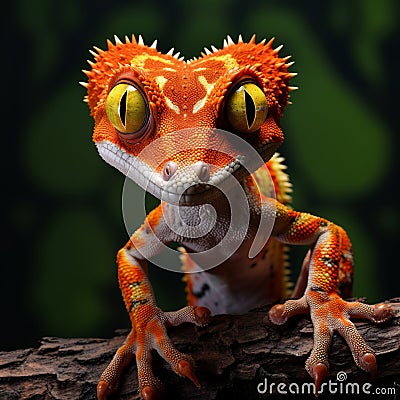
<point x="330" y="264"/>
<point x="149" y="322"/>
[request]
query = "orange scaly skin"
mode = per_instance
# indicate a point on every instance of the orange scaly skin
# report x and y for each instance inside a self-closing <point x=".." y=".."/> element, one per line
<point x="172" y="95"/>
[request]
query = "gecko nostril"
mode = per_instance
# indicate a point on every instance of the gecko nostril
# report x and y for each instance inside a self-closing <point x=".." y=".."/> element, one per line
<point x="202" y="170"/>
<point x="169" y="170"/>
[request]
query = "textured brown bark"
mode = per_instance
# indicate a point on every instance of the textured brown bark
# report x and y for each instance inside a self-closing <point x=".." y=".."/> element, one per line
<point x="233" y="355"/>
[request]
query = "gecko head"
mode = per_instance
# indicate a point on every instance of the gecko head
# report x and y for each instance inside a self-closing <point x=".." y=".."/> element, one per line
<point x="180" y="129"/>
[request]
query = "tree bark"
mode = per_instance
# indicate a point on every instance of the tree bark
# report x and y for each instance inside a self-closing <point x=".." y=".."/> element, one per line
<point x="234" y="356"/>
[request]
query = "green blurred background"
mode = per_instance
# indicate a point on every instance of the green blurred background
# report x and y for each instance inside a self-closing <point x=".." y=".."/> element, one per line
<point x="62" y="204"/>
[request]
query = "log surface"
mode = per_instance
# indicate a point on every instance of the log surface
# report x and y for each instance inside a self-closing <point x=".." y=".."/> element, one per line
<point x="233" y="355"/>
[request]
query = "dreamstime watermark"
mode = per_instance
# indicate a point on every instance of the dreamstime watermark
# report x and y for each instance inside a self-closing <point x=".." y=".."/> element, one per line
<point x="340" y="386"/>
<point x="227" y="159"/>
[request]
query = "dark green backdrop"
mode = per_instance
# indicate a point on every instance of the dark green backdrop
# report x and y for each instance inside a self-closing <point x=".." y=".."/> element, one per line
<point x="62" y="203"/>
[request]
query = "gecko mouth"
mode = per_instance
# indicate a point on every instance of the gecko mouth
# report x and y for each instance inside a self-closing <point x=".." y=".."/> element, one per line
<point x="185" y="188"/>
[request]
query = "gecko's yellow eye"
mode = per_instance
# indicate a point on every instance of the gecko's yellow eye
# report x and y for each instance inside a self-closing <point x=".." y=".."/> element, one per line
<point x="127" y="109"/>
<point x="246" y="108"/>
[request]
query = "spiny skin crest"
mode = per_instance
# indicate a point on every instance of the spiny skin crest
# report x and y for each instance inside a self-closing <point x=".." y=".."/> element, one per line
<point x="187" y="94"/>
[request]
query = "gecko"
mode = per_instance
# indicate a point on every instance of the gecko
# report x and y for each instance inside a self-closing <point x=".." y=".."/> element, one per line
<point x="139" y="96"/>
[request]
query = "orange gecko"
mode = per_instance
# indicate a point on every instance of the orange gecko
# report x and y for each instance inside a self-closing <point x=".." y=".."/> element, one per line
<point x="139" y="96"/>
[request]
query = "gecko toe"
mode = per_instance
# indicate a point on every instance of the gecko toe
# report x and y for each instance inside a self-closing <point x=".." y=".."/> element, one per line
<point x="202" y="315"/>
<point x="103" y="390"/>
<point x="319" y="372"/>
<point x="382" y="313"/>
<point x="150" y="393"/>
<point x="185" y="368"/>
<point x="280" y="313"/>
<point x="368" y="363"/>
<point x="276" y="314"/>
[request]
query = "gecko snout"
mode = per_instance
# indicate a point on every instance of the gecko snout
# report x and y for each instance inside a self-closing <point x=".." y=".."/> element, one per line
<point x="200" y="168"/>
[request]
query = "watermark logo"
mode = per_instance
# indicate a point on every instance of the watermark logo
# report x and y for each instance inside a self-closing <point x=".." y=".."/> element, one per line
<point x="338" y="386"/>
<point x="341" y="376"/>
<point x="207" y="160"/>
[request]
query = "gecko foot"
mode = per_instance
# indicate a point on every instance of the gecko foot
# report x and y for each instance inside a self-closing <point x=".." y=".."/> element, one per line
<point x="331" y="313"/>
<point x="149" y="333"/>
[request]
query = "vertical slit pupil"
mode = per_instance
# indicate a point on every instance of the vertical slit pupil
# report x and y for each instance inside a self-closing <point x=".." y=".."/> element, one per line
<point x="250" y="109"/>
<point x="122" y="108"/>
